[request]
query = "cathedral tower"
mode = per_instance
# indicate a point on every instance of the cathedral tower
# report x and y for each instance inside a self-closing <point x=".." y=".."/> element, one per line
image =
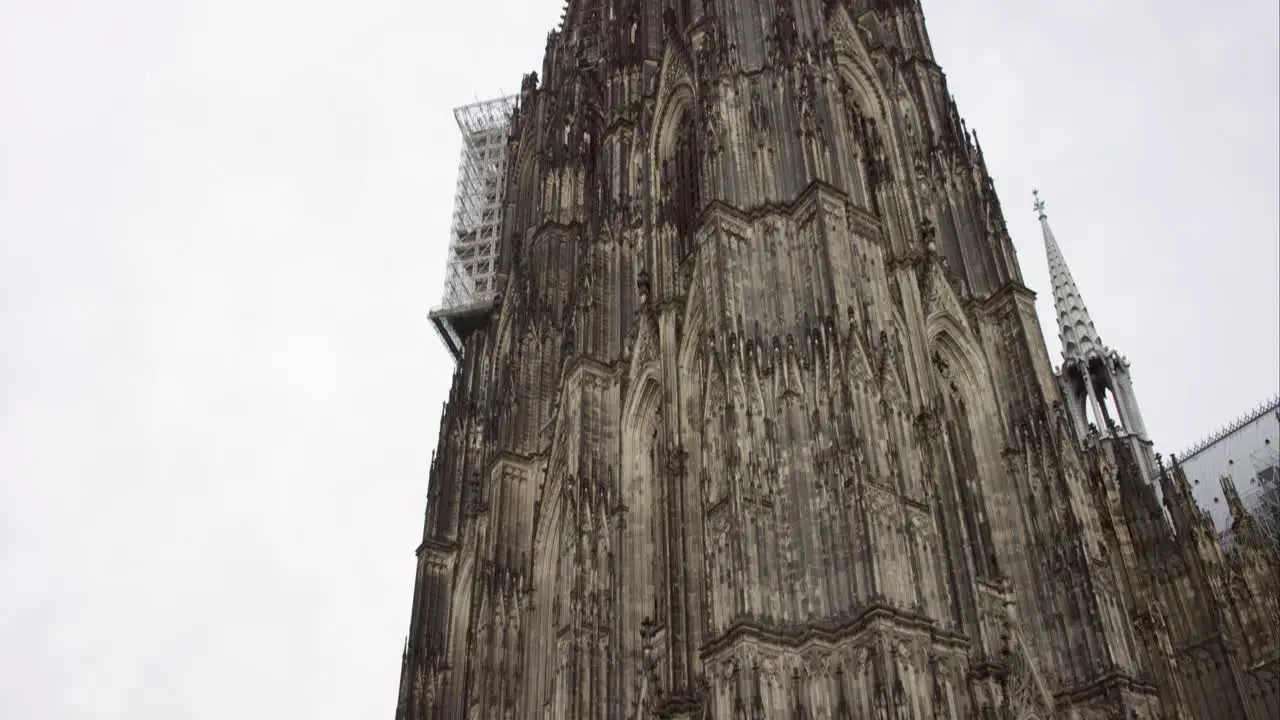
<point x="1199" y="611"/>
<point x="760" y="422"/>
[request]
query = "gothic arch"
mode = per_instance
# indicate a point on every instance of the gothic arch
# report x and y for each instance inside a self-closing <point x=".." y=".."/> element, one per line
<point x="711" y="443"/>
<point x="968" y="412"/>
<point x="676" y="101"/>
<point x="528" y="184"/>
<point x="645" y="351"/>
<point x="637" y="540"/>
<point x="854" y="64"/>
<point x="950" y="338"/>
<point x="853" y="61"/>
<point x="691" y="366"/>
<point x="692" y="326"/>
<point x="550" y="512"/>
<point x="645" y="384"/>
<point x="675" y="168"/>
<point x="460" y="611"/>
<point x="911" y="119"/>
<point x="505" y="337"/>
<point x="676" y="95"/>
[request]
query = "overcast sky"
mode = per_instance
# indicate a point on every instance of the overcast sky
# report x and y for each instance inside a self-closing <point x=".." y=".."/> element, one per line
<point x="222" y="225"/>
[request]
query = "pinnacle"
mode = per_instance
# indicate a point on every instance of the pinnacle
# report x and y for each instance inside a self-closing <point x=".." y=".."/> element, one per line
<point x="1080" y="339"/>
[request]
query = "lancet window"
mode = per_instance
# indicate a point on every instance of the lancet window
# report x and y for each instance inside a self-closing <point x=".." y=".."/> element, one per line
<point x="682" y="186"/>
<point x="964" y="464"/>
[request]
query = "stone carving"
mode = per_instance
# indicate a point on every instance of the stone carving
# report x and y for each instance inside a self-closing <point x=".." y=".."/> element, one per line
<point x="845" y="460"/>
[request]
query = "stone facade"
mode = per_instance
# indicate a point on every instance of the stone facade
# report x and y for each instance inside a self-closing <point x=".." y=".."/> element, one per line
<point x="763" y="424"/>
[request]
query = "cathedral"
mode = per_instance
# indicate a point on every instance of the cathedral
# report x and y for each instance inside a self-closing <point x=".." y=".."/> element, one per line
<point x="760" y="422"/>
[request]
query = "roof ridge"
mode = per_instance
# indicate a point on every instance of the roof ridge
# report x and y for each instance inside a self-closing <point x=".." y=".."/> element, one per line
<point x="1238" y="423"/>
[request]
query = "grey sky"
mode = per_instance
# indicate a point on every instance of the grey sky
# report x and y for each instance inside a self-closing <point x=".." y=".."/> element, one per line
<point x="222" y="223"/>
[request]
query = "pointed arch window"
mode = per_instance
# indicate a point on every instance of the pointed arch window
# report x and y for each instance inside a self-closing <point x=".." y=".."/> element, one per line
<point x="964" y="462"/>
<point x="682" y="184"/>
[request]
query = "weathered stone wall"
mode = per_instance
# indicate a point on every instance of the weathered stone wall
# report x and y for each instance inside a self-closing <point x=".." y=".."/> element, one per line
<point x="763" y="423"/>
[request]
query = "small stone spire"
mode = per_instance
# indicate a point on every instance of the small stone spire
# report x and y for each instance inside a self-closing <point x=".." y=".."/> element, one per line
<point x="1079" y="337"/>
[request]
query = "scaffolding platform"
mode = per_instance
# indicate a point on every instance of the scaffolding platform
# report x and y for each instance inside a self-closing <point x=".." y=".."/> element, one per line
<point x="456" y="323"/>
<point x="471" y="267"/>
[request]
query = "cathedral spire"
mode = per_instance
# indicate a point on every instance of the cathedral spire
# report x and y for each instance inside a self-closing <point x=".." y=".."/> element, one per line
<point x="1095" y="379"/>
<point x="1080" y="340"/>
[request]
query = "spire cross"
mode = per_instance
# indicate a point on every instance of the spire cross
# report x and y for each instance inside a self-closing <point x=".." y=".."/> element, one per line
<point x="1039" y="206"/>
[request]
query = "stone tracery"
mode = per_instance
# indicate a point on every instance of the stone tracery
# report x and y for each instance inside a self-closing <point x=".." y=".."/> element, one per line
<point x="738" y="441"/>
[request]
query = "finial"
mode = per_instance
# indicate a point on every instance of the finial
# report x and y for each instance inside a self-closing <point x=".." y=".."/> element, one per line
<point x="1039" y="206"/>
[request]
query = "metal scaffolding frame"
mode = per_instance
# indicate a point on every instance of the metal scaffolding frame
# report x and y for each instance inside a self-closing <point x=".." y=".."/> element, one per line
<point x="469" y="282"/>
<point x="477" y="208"/>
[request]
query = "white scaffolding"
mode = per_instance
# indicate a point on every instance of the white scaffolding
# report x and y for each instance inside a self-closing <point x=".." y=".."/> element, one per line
<point x="477" y="217"/>
<point x="477" y="208"/>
